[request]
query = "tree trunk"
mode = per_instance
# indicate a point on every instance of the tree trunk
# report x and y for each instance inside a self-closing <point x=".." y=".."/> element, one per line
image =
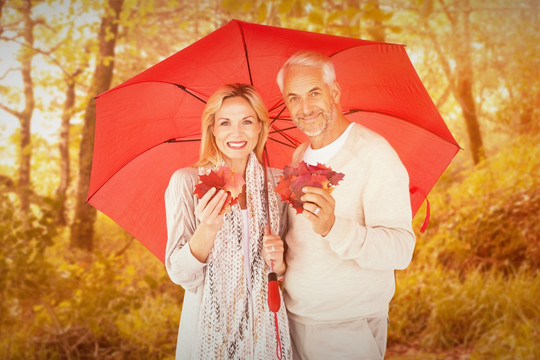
<point x="82" y="228"/>
<point x="25" y="117"/>
<point x="464" y="88"/>
<point x="69" y="106"/>
<point x="529" y="110"/>
<point x="460" y="80"/>
<point x="2" y="3"/>
<point x="464" y="93"/>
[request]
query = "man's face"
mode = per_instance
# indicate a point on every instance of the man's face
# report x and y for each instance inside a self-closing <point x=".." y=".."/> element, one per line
<point x="311" y="102"/>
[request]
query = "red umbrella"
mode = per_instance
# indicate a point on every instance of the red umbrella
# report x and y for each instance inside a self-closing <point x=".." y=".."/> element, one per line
<point x="149" y="126"/>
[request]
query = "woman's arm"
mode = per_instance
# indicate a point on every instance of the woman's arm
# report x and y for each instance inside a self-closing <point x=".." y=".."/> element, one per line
<point x="190" y="222"/>
<point x="207" y="212"/>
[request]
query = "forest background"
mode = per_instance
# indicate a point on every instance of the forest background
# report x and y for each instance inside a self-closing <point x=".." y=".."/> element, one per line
<point x="74" y="285"/>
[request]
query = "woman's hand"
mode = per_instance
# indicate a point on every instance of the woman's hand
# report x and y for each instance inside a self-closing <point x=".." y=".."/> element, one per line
<point x="207" y="211"/>
<point x="273" y="252"/>
<point x="209" y="207"/>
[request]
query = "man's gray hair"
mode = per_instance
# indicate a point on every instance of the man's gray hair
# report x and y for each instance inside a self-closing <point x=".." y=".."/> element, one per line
<point x="313" y="59"/>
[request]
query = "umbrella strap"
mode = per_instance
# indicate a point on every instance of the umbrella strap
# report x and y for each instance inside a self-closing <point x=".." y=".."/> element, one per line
<point x="428" y="210"/>
<point x="426" y="219"/>
<point x="279" y="352"/>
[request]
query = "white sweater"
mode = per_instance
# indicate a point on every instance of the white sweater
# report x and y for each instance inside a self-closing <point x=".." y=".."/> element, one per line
<point x="349" y="273"/>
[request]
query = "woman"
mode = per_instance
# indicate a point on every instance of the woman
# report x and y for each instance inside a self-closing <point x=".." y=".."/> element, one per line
<point x="220" y="259"/>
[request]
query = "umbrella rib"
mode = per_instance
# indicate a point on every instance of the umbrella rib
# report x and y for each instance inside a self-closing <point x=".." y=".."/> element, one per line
<point x="180" y="140"/>
<point x="123" y="166"/>
<point x="283" y="143"/>
<point x="403" y="119"/>
<point x="277" y="106"/>
<point x="278" y="114"/>
<point x="371" y="43"/>
<point x="280" y="131"/>
<point x="121" y="86"/>
<point x="245" y="52"/>
<point x="183" y="88"/>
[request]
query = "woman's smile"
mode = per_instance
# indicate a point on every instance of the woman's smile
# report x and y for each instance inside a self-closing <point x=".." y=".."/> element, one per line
<point x="237" y="144"/>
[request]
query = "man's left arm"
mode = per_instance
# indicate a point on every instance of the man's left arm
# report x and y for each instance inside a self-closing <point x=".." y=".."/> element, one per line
<point x="386" y="241"/>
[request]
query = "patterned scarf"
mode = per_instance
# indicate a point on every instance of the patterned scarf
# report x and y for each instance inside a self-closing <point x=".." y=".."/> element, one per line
<point x="235" y="323"/>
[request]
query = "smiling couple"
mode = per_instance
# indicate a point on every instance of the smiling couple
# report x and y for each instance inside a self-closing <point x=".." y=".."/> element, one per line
<point x="337" y="257"/>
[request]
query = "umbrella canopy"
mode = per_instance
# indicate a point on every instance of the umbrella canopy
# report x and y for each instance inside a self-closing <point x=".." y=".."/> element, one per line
<point x="150" y="125"/>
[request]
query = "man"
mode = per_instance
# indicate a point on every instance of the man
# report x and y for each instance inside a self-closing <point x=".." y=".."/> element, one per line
<point x="344" y="247"/>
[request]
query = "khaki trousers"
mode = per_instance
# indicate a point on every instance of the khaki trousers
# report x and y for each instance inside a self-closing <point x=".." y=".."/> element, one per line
<point x="356" y="339"/>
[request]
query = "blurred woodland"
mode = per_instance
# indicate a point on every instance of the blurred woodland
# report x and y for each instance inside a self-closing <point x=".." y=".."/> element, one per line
<point x="74" y="285"/>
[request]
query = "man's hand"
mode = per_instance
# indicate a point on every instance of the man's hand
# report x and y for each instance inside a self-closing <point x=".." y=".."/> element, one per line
<point x="319" y="209"/>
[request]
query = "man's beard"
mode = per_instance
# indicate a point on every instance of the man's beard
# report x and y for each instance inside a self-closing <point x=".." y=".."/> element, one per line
<point x="318" y="127"/>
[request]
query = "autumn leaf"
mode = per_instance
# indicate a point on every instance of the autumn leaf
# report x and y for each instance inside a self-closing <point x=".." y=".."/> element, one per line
<point x="295" y="178"/>
<point x="221" y="178"/>
<point x="234" y="182"/>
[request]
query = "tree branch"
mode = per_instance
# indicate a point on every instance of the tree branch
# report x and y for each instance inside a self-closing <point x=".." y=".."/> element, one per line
<point x="48" y="55"/>
<point x="15" y="113"/>
<point x="123" y="250"/>
<point x="442" y="99"/>
<point x="8" y="71"/>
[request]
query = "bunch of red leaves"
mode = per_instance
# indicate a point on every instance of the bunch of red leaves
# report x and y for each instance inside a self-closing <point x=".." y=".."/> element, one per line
<point x="294" y="179"/>
<point x="221" y="178"/>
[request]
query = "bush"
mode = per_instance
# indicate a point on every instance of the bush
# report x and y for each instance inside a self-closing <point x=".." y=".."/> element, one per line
<point x="59" y="304"/>
<point x="473" y="283"/>
<point x="492" y="219"/>
<point x="23" y="266"/>
<point x="490" y="314"/>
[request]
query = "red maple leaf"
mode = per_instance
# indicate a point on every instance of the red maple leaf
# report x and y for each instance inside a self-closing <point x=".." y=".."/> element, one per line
<point x="295" y="178"/>
<point x="221" y="178"/>
<point x="283" y="188"/>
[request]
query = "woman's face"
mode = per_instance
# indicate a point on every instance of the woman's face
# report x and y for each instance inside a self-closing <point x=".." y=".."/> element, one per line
<point x="236" y="129"/>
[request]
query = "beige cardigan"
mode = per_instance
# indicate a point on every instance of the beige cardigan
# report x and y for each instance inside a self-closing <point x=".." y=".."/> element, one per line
<point x="349" y="273"/>
<point x="183" y="268"/>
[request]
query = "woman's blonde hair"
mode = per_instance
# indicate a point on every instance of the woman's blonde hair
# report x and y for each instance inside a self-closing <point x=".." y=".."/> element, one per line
<point x="210" y="155"/>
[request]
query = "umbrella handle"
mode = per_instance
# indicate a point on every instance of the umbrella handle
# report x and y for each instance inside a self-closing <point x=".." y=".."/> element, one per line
<point x="274" y="299"/>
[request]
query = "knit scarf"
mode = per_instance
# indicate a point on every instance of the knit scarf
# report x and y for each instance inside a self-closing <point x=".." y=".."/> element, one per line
<point x="235" y="323"/>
